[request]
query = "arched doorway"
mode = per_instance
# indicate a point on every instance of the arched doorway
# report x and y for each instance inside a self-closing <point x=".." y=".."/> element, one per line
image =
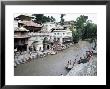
<point x="46" y="44"/>
<point x="34" y="46"/>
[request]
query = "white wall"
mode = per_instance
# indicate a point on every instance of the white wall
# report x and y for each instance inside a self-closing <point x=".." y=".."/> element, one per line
<point x="48" y="26"/>
<point x="38" y="47"/>
<point x="15" y="23"/>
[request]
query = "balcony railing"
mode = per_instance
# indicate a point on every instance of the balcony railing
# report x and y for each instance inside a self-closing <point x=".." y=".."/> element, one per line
<point x="38" y="34"/>
<point x="21" y="36"/>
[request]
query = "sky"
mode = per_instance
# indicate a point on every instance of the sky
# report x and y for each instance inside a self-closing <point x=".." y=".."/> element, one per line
<point x="68" y="17"/>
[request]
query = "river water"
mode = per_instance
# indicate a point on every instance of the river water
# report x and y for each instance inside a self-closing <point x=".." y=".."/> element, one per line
<point x="52" y="65"/>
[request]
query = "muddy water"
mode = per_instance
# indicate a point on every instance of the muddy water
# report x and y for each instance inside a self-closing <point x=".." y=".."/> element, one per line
<point x="52" y="65"/>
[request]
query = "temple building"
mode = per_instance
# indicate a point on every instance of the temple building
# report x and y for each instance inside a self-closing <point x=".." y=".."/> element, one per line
<point x="20" y="38"/>
<point x="30" y="25"/>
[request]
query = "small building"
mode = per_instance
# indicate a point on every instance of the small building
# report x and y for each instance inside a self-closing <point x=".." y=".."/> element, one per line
<point x="48" y="26"/>
<point x="20" y="38"/>
<point x="62" y="35"/>
<point x="37" y="37"/>
<point x="35" y="42"/>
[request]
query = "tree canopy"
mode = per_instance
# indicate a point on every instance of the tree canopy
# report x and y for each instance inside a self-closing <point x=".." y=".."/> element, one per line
<point x="84" y="28"/>
<point x="40" y="18"/>
<point x="90" y="30"/>
<point x="62" y="19"/>
<point x="23" y="17"/>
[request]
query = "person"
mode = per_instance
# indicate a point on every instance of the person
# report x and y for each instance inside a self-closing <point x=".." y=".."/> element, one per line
<point x="80" y="60"/>
<point x="61" y="74"/>
<point x="30" y="52"/>
<point x="67" y="64"/>
<point x="74" y="61"/>
<point x="89" y="54"/>
<point x="70" y="62"/>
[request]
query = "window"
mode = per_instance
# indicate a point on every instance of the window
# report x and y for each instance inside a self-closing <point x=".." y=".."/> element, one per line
<point x="40" y="49"/>
<point x="58" y="39"/>
<point x="54" y="39"/>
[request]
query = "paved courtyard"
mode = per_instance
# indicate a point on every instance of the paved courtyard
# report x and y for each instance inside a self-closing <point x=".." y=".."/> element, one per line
<point x="52" y="65"/>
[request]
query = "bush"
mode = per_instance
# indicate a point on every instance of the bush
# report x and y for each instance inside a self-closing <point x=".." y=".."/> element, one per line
<point x="75" y="37"/>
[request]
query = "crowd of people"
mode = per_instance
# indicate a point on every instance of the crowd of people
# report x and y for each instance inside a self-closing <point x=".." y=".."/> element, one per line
<point x="84" y="59"/>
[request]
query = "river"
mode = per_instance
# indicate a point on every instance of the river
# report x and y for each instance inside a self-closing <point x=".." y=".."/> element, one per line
<point x="52" y="65"/>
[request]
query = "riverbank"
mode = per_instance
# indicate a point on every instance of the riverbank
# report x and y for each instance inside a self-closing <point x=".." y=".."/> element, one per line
<point x="86" y="69"/>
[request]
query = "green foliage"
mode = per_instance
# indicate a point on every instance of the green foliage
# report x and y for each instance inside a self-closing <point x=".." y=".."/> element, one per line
<point x="89" y="31"/>
<point x="23" y="17"/>
<point x="84" y="28"/>
<point x="79" y="23"/>
<point x="40" y="18"/>
<point x="52" y="19"/>
<point x="62" y="19"/>
<point x="76" y="37"/>
<point x="92" y="40"/>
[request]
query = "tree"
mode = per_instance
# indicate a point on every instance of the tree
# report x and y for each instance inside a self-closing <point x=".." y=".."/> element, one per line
<point x="90" y="30"/>
<point x="23" y="17"/>
<point x="52" y="19"/>
<point x="80" y="24"/>
<point x="40" y="18"/>
<point x="75" y="35"/>
<point x="62" y="19"/>
<point x="84" y="29"/>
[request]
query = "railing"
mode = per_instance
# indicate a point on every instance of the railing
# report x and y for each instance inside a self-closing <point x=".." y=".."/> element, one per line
<point x="21" y="36"/>
<point x="39" y="34"/>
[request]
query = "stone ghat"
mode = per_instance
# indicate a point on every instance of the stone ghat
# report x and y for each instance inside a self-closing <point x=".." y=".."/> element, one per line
<point x="86" y="69"/>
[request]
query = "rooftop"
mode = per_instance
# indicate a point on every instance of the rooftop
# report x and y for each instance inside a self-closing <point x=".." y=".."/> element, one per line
<point x="30" y="23"/>
<point x="20" y="29"/>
